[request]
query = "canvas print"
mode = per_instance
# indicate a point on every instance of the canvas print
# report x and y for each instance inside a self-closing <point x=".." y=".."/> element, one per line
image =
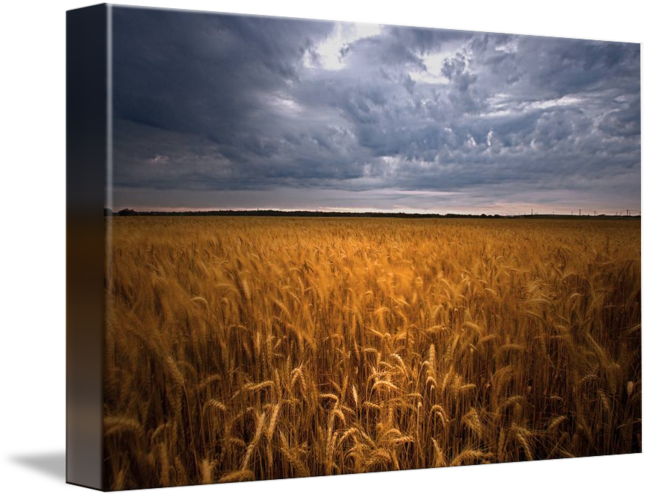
<point x="341" y="248"/>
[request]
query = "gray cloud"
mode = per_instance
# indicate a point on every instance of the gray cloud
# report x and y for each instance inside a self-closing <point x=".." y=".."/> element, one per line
<point x="226" y="111"/>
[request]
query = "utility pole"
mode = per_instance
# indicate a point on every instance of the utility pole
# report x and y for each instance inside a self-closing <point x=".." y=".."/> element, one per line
<point x="579" y="212"/>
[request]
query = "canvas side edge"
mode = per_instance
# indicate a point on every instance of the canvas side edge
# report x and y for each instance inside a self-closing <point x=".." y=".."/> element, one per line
<point x="86" y="173"/>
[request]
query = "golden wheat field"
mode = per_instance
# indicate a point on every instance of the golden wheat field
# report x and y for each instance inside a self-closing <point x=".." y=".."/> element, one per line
<point x="259" y="348"/>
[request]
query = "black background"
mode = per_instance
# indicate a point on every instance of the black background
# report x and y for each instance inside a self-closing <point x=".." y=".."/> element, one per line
<point x="582" y="477"/>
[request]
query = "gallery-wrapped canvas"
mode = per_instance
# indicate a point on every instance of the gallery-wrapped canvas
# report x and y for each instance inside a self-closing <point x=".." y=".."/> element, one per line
<point x="302" y="248"/>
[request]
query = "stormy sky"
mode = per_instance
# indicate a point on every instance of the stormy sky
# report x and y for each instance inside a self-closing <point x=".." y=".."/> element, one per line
<point x="227" y="112"/>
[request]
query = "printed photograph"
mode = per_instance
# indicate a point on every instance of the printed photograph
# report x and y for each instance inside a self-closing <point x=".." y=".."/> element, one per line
<point x="339" y="248"/>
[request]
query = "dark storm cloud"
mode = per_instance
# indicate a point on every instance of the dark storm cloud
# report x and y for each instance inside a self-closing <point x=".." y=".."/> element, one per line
<point x="201" y="73"/>
<point x="396" y="117"/>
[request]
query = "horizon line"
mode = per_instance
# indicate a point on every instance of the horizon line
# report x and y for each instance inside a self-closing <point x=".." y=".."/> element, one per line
<point x="352" y="213"/>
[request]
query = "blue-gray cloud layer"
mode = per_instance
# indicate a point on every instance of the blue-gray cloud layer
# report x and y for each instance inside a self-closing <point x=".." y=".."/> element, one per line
<point x="227" y="111"/>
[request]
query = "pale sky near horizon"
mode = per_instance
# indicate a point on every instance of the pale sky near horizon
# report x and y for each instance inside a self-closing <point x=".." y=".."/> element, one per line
<point x="228" y="112"/>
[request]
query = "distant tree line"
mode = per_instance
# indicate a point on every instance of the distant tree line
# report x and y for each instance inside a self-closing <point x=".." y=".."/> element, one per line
<point x="302" y="213"/>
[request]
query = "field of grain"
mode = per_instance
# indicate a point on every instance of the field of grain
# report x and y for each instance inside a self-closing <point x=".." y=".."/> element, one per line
<point x="258" y="348"/>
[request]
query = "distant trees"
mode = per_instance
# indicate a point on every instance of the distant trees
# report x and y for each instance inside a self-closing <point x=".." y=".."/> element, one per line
<point x="333" y="214"/>
<point x="127" y="212"/>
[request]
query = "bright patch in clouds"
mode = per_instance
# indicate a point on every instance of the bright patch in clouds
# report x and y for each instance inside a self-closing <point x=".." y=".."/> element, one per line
<point x="509" y="47"/>
<point x="557" y="102"/>
<point x="434" y="63"/>
<point x="284" y="103"/>
<point x="329" y="52"/>
<point x="159" y="159"/>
